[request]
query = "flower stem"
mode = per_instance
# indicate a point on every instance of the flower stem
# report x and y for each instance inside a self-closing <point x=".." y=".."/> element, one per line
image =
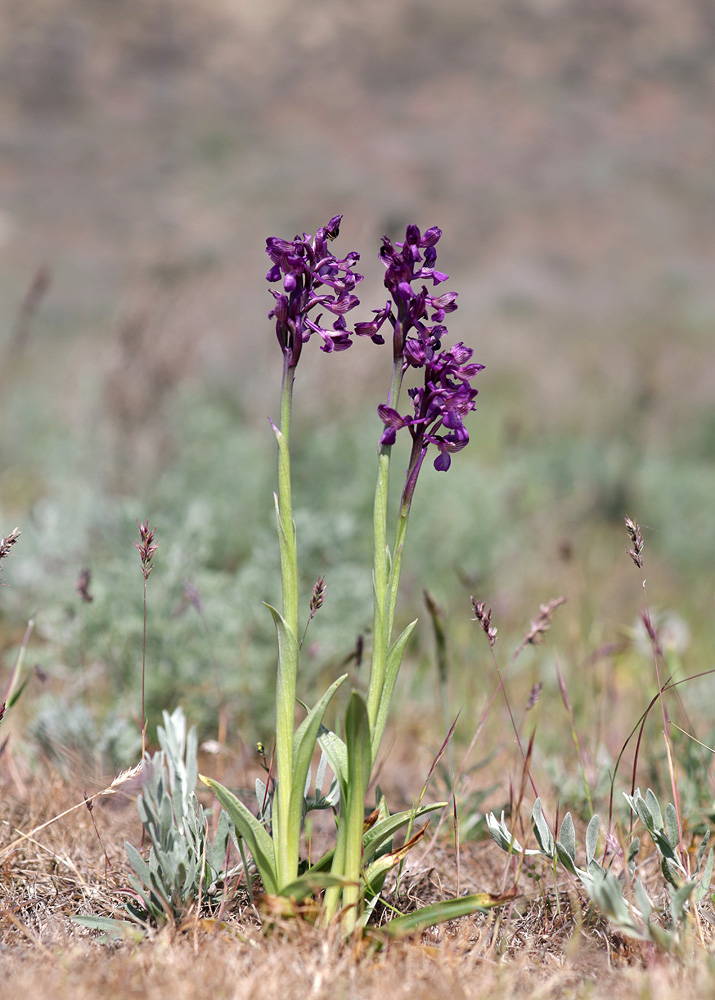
<point x="383" y="568"/>
<point x="286" y="839"/>
<point x="144" y="719"/>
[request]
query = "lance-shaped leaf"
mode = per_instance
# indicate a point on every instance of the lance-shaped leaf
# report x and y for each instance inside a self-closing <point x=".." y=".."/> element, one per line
<point x="113" y="929"/>
<point x="336" y="752"/>
<point x="591" y="839"/>
<point x="375" y="873"/>
<point x="437" y="913"/>
<point x="704" y="884"/>
<point x="303" y="745"/>
<point x="247" y="826"/>
<point x="544" y="836"/>
<point x="392" y="668"/>
<point x="357" y="740"/>
<point x="311" y="883"/>
<point x="382" y="831"/>
<point x="566" y="844"/>
<point x="504" y="838"/>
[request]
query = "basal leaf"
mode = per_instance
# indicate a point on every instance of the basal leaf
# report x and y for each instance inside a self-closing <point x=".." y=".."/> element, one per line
<point x="392" y="668"/>
<point x="437" y="913"/>
<point x="303" y="746"/>
<point x="259" y="842"/>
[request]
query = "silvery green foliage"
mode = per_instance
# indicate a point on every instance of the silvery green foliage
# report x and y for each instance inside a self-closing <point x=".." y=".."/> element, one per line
<point x="506" y="840"/>
<point x="183" y="862"/>
<point x="663" y="835"/>
<point x="639" y="918"/>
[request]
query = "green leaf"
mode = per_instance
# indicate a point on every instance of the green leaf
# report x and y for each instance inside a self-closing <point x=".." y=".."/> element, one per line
<point x="639" y="807"/>
<point x="311" y="883"/>
<point x="15" y="697"/>
<point x="438" y="913"/>
<point x="287" y="641"/>
<point x="679" y="899"/>
<point x="392" y="668"/>
<point x="337" y="754"/>
<point x="607" y="894"/>
<point x="707" y="875"/>
<point x="312" y="723"/>
<point x="375" y="874"/>
<point x="567" y="837"/>
<point x="352" y="806"/>
<point x="671" y="825"/>
<point x="303" y="745"/>
<point x="544" y="837"/>
<point x="138" y="863"/>
<point x="376" y="836"/>
<point x="643" y="900"/>
<point x="357" y="740"/>
<point x="114" y="930"/>
<point x="380" y="832"/>
<point x="633" y="848"/>
<point x="504" y="838"/>
<point x="591" y="839"/>
<point x="653" y="805"/>
<point x="566" y="860"/>
<point x="259" y="842"/>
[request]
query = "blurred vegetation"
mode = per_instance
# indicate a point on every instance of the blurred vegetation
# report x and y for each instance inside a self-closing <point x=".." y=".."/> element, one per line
<point x="523" y="515"/>
<point x="565" y="148"/>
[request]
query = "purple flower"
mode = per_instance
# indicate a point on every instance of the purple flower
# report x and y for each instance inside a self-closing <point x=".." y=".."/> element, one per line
<point x="313" y="278"/>
<point x="439" y="405"/>
<point x="407" y="266"/>
<point x="417" y="317"/>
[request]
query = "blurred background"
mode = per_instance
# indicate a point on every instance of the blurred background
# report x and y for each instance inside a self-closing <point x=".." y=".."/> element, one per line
<point x="565" y="148"/>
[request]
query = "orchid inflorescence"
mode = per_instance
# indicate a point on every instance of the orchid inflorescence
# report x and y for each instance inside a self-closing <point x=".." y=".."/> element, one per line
<point x="306" y="265"/>
<point x="417" y="319"/>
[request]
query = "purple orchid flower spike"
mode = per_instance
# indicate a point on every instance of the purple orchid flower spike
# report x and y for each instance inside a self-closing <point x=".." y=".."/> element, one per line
<point x="313" y="278"/>
<point x="417" y="319"/>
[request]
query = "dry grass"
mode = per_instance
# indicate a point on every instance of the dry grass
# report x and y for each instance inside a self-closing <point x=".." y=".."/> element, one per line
<point x="533" y="948"/>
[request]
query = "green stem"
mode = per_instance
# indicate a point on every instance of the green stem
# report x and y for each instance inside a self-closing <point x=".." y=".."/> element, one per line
<point x="333" y="894"/>
<point x="396" y="569"/>
<point x="381" y="579"/>
<point x="286" y="839"/>
<point x="382" y="619"/>
<point x="289" y="552"/>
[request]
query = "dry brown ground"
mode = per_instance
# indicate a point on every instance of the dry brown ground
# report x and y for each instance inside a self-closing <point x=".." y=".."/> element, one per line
<point x="528" y="950"/>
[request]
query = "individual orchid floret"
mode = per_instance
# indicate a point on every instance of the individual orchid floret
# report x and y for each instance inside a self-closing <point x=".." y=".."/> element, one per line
<point x="313" y="279"/>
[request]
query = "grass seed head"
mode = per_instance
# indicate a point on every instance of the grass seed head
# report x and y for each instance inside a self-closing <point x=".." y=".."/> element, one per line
<point x="636" y="537"/>
<point x="483" y="615"/>
<point x="7" y="542"/>
<point x="542" y="622"/>
<point x="146" y="546"/>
